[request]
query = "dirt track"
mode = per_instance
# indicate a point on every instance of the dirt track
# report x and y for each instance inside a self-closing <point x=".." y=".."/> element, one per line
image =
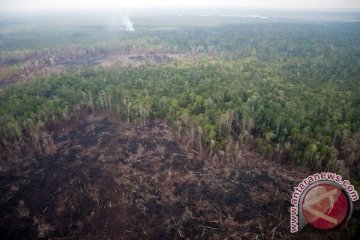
<point x="115" y="180"/>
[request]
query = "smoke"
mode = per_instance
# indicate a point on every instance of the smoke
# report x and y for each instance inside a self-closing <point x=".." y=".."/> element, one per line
<point x="128" y="24"/>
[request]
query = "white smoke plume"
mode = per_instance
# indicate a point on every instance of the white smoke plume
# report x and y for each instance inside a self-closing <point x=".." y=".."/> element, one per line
<point x="128" y="24"/>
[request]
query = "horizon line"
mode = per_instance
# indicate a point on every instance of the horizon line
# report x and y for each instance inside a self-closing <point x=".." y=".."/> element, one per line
<point x="69" y="10"/>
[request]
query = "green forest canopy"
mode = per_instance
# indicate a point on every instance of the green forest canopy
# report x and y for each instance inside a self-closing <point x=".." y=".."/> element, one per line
<point x="292" y="90"/>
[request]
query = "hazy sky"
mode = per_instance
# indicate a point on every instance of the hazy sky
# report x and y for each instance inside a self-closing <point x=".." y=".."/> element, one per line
<point x="123" y="4"/>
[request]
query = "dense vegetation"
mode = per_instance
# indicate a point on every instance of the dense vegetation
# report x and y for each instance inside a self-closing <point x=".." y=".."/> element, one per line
<point x="290" y="90"/>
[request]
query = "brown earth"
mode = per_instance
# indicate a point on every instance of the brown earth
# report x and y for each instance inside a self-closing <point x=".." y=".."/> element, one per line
<point x="25" y="70"/>
<point x="110" y="179"/>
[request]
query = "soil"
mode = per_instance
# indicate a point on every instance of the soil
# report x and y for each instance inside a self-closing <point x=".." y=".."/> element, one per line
<point x="110" y="179"/>
<point x="9" y="75"/>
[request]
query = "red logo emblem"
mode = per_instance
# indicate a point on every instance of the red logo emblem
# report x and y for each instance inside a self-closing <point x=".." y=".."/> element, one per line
<point x="325" y="206"/>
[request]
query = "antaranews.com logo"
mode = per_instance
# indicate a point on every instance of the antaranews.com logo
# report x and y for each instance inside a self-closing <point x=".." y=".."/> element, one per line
<point x="323" y="200"/>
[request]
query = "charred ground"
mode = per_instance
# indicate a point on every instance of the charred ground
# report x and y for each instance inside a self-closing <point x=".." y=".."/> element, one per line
<point x="109" y="179"/>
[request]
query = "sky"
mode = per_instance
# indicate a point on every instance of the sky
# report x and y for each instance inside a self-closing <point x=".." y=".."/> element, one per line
<point x="31" y="5"/>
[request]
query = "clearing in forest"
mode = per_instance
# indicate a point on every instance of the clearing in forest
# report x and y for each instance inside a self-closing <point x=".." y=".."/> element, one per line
<point x="109" y="179"/>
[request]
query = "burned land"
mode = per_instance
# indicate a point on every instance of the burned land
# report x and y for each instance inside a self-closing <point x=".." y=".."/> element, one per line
<point x="30" y="65"/>
<point x="110" y="179"/>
